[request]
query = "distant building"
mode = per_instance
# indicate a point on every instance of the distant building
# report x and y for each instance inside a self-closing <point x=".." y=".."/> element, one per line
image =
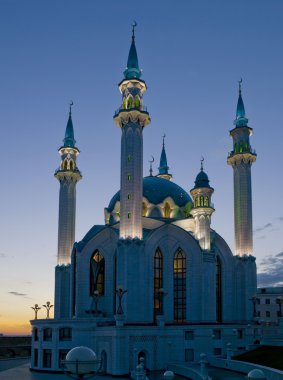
<point x="269" y="304"/>
<point x="155" y="281"/>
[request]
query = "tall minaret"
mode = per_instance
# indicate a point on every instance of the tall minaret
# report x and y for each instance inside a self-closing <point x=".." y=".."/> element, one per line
<point x="202" y="209"/>
<point x="131" y="117"/>
<point x="241" y="159"/>
<point x="68" y="175"/>
<point x="163" y="166"/>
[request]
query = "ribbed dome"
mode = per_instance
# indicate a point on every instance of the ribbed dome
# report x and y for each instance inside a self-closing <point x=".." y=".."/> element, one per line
<point x="156" y="190"/>
<point x="201" y="180"/>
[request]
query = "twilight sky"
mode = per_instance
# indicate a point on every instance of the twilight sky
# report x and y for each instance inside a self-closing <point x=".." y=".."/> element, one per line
<point x="192" y="52"/>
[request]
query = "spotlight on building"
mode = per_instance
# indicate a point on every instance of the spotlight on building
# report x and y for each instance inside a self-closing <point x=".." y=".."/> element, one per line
<point x="81" y="363"/>
<point x="256" y="374"/>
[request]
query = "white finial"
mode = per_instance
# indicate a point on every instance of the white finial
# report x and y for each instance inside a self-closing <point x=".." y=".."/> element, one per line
<point x="151" y="162"/>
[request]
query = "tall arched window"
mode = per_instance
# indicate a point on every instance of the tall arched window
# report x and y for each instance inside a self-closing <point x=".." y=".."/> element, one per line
<point x="179" y="286"/>
<point x="218" y="290"/>
<point x="167" y="210"/>
<point x="158" y="283"/>
<point x="201" y="200"/>
<point x="97" y="273"/>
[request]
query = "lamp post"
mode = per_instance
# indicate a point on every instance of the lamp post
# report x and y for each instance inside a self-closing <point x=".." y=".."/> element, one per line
<point x="279" y="300"/>
<point x="35" y="308"/>
<point x="120" y="293"/>
<point x="95" y="297"/>
<point x="254" y="301"/>
<point x="81" y="363"/>
<point x="48" y="306"/>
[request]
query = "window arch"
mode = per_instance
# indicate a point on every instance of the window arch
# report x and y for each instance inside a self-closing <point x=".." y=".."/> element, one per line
<point x="65" y="165"/>
<point x="137" y="102"/>
<point x="167" y="210"/>
<point x="97" y="273"/>
<point x="201" y="200"/>
<point x="129" y="102"/>
<point x="218" y="290"/>
<point x="144" y="209"/>
<point x="179" y="286"/>
<point x="72" y="166"/>
<point x="158" y="283"/>
<point x="206" y="203"/>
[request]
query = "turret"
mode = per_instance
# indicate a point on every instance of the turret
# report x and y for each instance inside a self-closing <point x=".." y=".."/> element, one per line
<point x="202" y="209"/>
<point x="163" y="170"/>
<point x="241" y="159"/>
<point x="131" y="117"/>
<point x="68" y="175"/>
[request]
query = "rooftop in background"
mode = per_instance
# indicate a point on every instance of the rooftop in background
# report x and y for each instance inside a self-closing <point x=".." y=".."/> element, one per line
<point x="271" y="290"/>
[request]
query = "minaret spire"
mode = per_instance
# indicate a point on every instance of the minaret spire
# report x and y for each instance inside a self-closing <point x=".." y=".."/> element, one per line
<point x="241" y="159"/>
<point x="68" y="175"/>
<point x="163" y="167"/>
<point x="132" y="118"/>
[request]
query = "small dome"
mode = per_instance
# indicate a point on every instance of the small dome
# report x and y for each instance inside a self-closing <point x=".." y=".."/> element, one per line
<point x="85" y="357"/>
<point x="201" y="180"/>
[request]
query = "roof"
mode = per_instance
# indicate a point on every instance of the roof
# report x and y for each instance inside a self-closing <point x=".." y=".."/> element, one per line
<point x="156" y="190"/>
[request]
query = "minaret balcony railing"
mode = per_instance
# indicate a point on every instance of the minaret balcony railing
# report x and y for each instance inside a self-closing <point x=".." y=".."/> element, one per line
<point x="76" y="170"/>
<point x="233" y="153"/>
<point x="141" y="109"/>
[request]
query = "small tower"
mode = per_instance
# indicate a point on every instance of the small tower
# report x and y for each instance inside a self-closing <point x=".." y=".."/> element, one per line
<point x="131" y="117"/>
<point x="241" y="159"/>
<point x="202" y="209"/>
<point x="68" y="175"/>
<point x="163" y="167"/>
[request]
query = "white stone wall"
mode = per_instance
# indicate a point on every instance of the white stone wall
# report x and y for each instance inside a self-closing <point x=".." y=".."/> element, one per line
<point x="131" y="181"/>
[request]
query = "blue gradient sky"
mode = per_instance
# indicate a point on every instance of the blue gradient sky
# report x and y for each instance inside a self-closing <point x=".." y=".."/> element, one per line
<point x="192" y="54"/>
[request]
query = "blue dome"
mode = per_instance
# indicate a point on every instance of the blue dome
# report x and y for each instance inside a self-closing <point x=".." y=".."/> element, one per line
<point x="156" y="190"/>
<point x="201" y="180"/>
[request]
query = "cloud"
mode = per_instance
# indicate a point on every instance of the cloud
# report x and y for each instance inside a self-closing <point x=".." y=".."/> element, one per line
<point x="2" y="255"/>
<point x="18" y="294"/>
<point x="281" y="218"/>
<point x="270" y="271"/>
<point x="259" y="229"/>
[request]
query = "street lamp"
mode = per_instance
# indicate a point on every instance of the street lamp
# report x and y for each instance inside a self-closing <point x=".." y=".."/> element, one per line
<point x="120" y="292"/>
<point x="95" y="297"/>
<point x="279" y="300"/>
<point x="48" y="306"/>
<point x="35" y="308"/>
<point x="254" y="301"/>
<point x="81" y="363"/>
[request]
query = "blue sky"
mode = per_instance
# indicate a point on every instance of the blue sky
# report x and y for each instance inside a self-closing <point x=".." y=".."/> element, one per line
<point x="192" y="54"/>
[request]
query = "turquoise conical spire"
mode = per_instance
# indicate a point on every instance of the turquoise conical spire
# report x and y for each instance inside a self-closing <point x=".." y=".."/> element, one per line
<point x="69" y="140"/>
<point x="133" y="71"/>
<point x="241" y="120"/>
<point x="163" y="166"/>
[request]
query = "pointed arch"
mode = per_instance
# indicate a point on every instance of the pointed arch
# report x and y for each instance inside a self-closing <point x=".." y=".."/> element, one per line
<point x="97" y="273"/>
<point x="157" y="283"/>
<point x="218" y="283"/>
<point x="137" y="102"/>
<point x="72" y="166"/>
<point x="144" y="209"/>
<point x="65" y="165"/>
<point x="130" y="102"/>
<point x="167" y="210"/>
<point x="179" y="286"/>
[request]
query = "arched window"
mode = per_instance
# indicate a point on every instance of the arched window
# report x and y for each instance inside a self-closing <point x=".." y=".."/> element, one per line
<point x="235" y="147"/>
<point x="65" y="165"/>
<point x="97" y="273"/>
<point x="179" y="286"/>
<point x="201" y="200"/>
<point x="241" y="146"/>
<point x="137" y="102"/>
<point x="130" y="102"/>
<point x="218" y="290"/>
<point x="144" y="209"/>
<point x="196" y="202"/>
<point x="71" y="165"/>
<point x="167" y="210"/>
<point x="158" y="283"/>
<point x="206" y="202"/>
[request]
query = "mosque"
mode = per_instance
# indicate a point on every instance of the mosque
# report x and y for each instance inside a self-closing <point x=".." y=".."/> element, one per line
<point x="154" y="281"/>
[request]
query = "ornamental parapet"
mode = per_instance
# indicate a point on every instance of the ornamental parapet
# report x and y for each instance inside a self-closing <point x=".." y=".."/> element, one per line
<point x="123" y="116"/>
<point x="238" y="158"/>
<point x="245" y="258"/>
<point x="68" y="174"/>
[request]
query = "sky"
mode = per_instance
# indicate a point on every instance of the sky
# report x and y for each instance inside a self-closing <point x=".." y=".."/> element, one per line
<point x="193" y="53"/>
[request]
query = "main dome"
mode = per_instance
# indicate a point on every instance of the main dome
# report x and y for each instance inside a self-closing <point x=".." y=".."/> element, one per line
<point x="161" y="199"/>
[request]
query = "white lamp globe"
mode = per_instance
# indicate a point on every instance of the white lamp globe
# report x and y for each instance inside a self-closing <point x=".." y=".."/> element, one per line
<point x="256" y="374"/>
<point x="81" y="360"/>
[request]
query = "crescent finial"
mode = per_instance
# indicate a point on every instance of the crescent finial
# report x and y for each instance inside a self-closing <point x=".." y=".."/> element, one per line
<point x="71" y="105"/>
<point x="201" y="163"/>
<point x="240" y="84"/>
<point x="134" y="25"/>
